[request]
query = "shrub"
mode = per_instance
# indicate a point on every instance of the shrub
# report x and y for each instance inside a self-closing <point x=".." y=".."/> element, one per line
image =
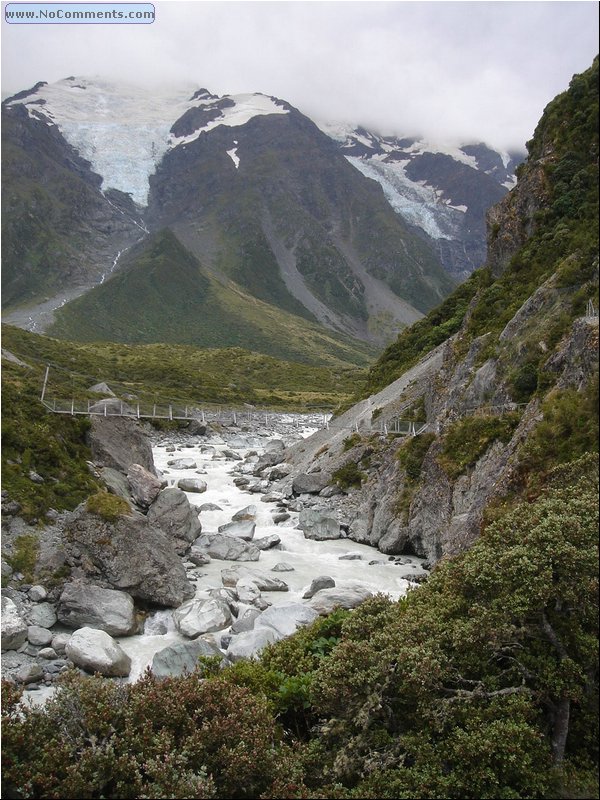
<point x="467" y="440"/>
<point x="348" y="476"/>
<point x="24" y="556"/>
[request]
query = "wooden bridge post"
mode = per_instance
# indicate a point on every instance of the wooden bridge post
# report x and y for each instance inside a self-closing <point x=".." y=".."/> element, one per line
<point x="72" y="406"/>
<point x="45" y="382"/>
<point x="171" y="412"/>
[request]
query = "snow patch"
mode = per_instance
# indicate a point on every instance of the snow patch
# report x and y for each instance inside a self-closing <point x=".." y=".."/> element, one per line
<point x="234" y="157"/>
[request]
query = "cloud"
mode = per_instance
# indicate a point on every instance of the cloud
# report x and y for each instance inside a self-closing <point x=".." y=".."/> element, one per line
<point x="449" y="70"/>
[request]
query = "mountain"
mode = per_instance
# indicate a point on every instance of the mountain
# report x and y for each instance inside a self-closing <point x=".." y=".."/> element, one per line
<point x="444" y="191"/>
<point x="250" y="187"/>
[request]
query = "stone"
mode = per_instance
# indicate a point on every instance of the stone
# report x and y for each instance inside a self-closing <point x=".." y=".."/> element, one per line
<point x="37" y="593"/>
<point x="116" y="482"/>
<point x="280" y="516"/>
<point x="247" y="514"/>
<point x="264" y="582"/>
<point x="42" y="614"/>
<point x="327" y="600"/>
<point x="201" y="616"/>
<point x="35" y="477"/>
<point x="322" y="582"/>
<point x="209" y="507"/>
<point x="84" y="606"/>
<point x="143" y="484"/>
<point x="249" y="643"/>
<point x="118" y="442"/>
<point x="14" y="627"/>
<point x="268" y="460"/>
<point x="96" y="651"/>
<point x="310" y="483"/>
<point x="40" y="637"/>
<point x="231" y="454"/>
<point x="102" y="388"/>
<point x="182" y="463"/>
<point x="318" y="526"/>
<point x="330" y="491"/>
<point x="272" y="497"/>
<point x="48" y="653"/>
<point x="129" y="554"/>
<point x="30" y="673"/>
<point x="350" y="557"/>
<point x="242" y="530"/>
<point x="175" y="516"/>
<point x="195" y="485"/>
<point x="198" y="557"/>
<point x="275" y="446"/>
<point x="245" y="622"/>
<point x="181" y="658"/>
<point x="228" y="548"/>
<point x="282" y="566"/>
<point x="7" y="570"/>
<point x="247" y="591"/>
<point x="59" y="641"/>
<point x="267" y="542"/>
<point x="240" y="482"/>
<point x="286" y="619"/>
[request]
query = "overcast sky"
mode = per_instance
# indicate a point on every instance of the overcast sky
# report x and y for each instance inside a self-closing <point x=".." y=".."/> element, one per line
<point x="453" y="71"/>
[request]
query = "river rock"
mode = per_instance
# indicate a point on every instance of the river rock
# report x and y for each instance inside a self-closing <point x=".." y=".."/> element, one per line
<point x="318" y="525"/>
<point x="322" y="582"/>
<point x="247" y="514"/>
<point x="129" y="554"/>
<point x="37" y="593"/>
<point x="42" y="614"/>
<point x="327" y="600"/>
<point x="59" y="641"/>
<point x="311" y="483"/>
<point x="40" y="637"/>
<point x="174" y="515"/>
<point x="246" y="620"/>
<point x="14" y="627"/>
<point x="241" y="530"/>
<point x="201" y="616"/>
<point x="198" y="557"/>
<point x="286" y="619"/>
<point x="84" y="606"/>
<point x="228" y="548"/>
<point x="350" y="557"/>
<point x="249" y="643"/>
<point x="180" y="658"/>
<point x="267" y="542"/>
<point x="30" y="673"/>
<point x="247" y="591"/>
<point x="119" y="442"/>
<point x="210" y="507"/>
<point x="182" y="463"/>
<point x="192" y="485"/>
<point x="263" y="581"/>
<point x="116" y="483"/>
<point x="143" y="484"/>
<point x="96" y="651"/>
<point x="280" y="516"/>
<point x="282" y="566"/>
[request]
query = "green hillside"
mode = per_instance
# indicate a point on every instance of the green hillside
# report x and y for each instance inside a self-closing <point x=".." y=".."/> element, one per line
<point x="163" y="295"/>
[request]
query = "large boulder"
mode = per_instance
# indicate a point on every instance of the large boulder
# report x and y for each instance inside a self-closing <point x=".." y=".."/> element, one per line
<point x="322" y="582"/>
<point x="119" y="442"/>
<point x="182" y="463"/>
<point x="202" y="616"/>
<point x="286" y="619"/>
<point x="327" y="600"/>
<point x="116" y="482"/>
<point x="143" y="484"/>
<point x="174" y="515"/>
<point x="310" y="483"/>
<point x="245" y="514"/>
<point x="245" y="621"/>
<point x="129" y="554"/>
<point x="249" y="643"/>
<point x="228" y="548"/>
<point x="194" y="485"/>
<point x="42" y="614"/>
<point x="14" y="627"/>
<point x="263" y="581"/>
<point x="96" y="651"/>
<point x="84" y="606"/>
<point x="180" y="658"/>
<point x="318" y="525"/>
<point x="267" y="542"/>
<point x="242" y="530"/>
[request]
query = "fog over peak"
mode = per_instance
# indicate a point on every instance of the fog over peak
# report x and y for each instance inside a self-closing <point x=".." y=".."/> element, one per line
<point x="455" y="71"/>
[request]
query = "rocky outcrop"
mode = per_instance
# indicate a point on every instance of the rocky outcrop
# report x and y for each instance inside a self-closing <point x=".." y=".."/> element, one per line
<point x="130" y="554"/>
<point x="118" y="442"/>
<point x="173" y="514"/>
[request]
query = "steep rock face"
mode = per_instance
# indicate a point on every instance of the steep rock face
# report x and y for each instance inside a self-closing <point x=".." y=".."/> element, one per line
<point x="60" y="232"/>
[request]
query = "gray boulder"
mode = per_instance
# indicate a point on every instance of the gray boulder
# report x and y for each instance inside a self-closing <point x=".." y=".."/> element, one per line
<point x="42" y="614"/>
<point x="202" y="616"/>
<point x="263" y="581"/>
<point x="130" y="554"/>
<point x="174" y="515"/>
<point x="286" y="619"/>
<point x="116" y="482"/>
<point x="282" y="566"/>
<point x="198" y="556"/>
<point x="247" y="514"/>
<point x="322" y="582"/>
<point x="14" y="627"/>
<point x="30" y="673"/>
<point x="96" y="651"/>
<point x="245" y="622"/>
<point x="242" y="530"/>
<point x="312" y="483"/>
<point x="318" y="525"/>
<point x="181" y="658"/>
<point x="84" y="606"/>
<point x="59" y="641"/>
<point x="192" y="485"/>
<point x="327" y="600"/>
<point x="275" y="446"/>
<point x="37" y="593"/>
<point x="247" y="591"/>
<point x="143" y="484"/>
<point x="228" y="548"/>
<point x="267" y="542"/>
<point x="249" y="643"/>
<point x="182" y="463"/>
<point x="40" y="637"/>
<point x="119" y="442"/>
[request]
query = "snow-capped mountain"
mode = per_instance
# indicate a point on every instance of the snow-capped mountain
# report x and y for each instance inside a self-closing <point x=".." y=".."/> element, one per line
<point x="251" y="188"/>
<point x="443" y="190"/>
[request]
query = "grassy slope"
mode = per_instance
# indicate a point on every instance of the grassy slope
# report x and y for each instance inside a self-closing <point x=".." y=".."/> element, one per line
<point x="165" y="297"/>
